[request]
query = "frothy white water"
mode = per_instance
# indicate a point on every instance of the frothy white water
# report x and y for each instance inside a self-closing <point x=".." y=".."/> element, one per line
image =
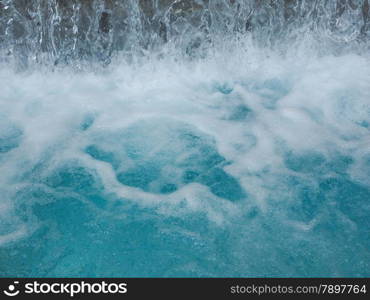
<point x="256" y="110"/>
<point x="271" y="118"/>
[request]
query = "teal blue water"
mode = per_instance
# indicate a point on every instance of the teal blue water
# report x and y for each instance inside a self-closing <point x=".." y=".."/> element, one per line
<point x="253" y="177"/>
<point x="84" y="231"/>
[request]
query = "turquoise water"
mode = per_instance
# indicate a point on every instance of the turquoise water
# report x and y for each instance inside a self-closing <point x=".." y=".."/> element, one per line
<point x="191" y="138"/>
<point x="256" y="175"/>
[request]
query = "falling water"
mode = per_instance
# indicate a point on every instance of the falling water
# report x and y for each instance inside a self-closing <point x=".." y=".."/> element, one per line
<point x="184" y="138"/>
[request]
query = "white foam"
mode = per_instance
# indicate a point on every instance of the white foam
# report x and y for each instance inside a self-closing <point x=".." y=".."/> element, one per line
<point x="50" y="106"/>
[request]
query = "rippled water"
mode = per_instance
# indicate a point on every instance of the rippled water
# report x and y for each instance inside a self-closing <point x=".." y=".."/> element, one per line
<point x="211" y="138"/>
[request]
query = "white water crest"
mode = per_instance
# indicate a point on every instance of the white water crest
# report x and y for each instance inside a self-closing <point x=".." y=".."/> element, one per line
<point x="124" y="152"/>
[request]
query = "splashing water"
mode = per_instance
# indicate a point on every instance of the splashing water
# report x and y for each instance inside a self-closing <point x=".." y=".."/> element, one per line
<point x="184" y="138"/>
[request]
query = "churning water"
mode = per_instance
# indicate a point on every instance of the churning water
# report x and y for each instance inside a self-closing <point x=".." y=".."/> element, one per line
<point x="184" y="138"/>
